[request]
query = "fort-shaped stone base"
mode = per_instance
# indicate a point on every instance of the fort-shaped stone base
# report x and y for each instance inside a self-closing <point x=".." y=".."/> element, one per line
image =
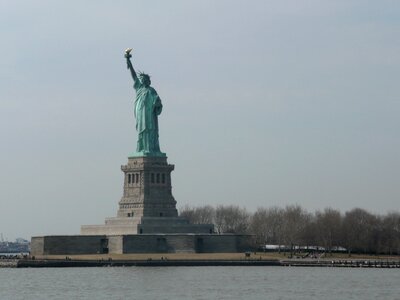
<point x="139" y="243"/>
<point x="146" y="225"/>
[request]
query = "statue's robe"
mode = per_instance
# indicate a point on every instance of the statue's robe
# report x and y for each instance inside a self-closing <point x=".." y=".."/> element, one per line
<point x="147" y="107"/>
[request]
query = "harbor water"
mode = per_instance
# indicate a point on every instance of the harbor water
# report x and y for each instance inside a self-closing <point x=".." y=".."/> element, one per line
<point x="200" y="283"/>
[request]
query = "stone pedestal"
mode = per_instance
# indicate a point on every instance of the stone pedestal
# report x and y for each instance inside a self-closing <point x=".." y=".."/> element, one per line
<point x="147" y="188"/>
<point x="147" y="205"/>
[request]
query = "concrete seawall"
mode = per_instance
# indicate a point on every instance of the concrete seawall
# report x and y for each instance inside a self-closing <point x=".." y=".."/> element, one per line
<point x="142" y="263"/>
<point x="59" y="263"/>
<point x="8" y="263"/>
<point x="343" y="263"/>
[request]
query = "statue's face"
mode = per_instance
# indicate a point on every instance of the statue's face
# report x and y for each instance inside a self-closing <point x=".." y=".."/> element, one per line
<point x="145" y="80"/>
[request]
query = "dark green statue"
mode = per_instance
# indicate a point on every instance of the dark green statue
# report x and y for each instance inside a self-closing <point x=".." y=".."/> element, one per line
<point x="146" y="109"/>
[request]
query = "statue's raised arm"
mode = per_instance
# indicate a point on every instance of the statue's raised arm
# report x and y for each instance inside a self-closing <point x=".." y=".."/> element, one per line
<point x="128" y="56"/>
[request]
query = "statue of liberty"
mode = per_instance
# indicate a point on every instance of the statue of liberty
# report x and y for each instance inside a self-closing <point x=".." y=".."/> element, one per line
<point x="147" y="107"/>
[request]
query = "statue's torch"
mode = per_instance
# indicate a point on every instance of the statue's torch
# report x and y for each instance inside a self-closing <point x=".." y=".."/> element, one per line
<point x="128" y="55"/>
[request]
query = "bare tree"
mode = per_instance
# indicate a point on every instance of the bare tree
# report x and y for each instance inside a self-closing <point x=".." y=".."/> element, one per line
<point x="199" y="215"/>
<point x="328" y="224"/>
<point x="231" y="219"/>
<point x="309" y="234"/>
<point x="204" y="215"/>
<point x="391" y="233"/>
<point x="357" y="230"/>
<point x="188" y="212"/>
<point x="266" y="225"/>
<point x="295" y="220"/>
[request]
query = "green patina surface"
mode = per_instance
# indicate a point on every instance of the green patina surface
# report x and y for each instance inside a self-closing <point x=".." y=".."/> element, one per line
<point x="147" y="108"/>
<point x="142" y="153"/>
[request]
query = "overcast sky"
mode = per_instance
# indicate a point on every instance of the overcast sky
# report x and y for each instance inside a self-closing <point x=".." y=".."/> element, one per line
<point x="265" y="103"/>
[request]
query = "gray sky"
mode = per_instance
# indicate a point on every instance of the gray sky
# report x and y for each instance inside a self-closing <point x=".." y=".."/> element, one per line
<point x="265" y="103"/>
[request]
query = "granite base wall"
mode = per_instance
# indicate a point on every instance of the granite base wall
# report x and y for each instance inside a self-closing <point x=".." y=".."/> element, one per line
<point x="139" y="243"/>
<point x="68" y="244"/>
<point x="115" y="244"/>
<point x="146" y="225"/>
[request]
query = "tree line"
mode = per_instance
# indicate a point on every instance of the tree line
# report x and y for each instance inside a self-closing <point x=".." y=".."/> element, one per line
<point x="357" y="230"/>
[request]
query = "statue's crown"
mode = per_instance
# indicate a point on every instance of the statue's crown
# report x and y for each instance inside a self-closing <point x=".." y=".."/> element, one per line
<point x="142" y="74"/>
